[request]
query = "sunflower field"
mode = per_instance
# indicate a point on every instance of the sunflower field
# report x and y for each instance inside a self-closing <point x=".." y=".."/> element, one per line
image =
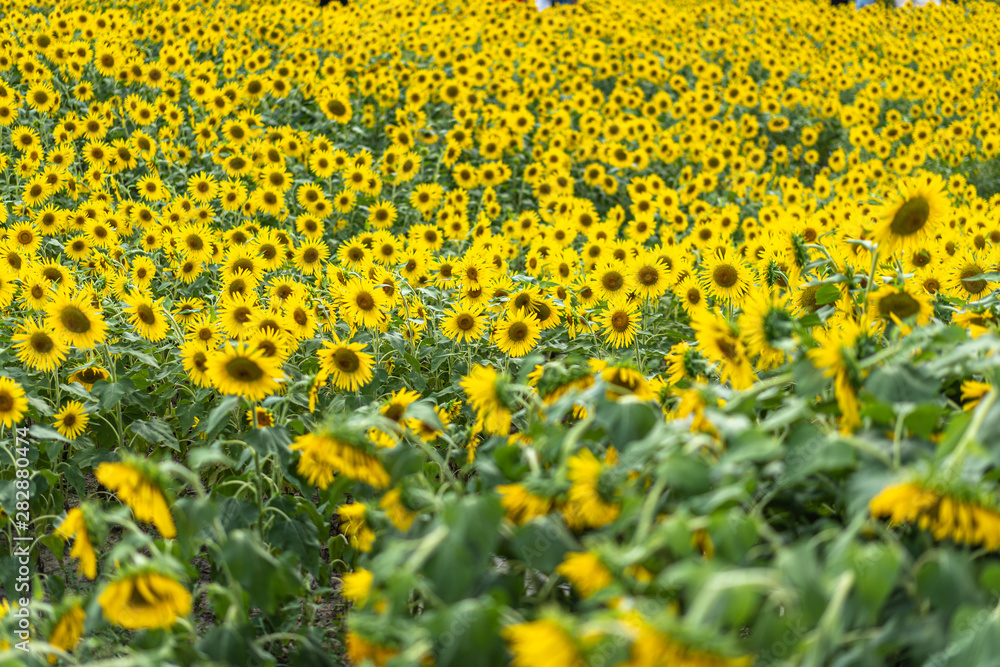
<point x="435" y="332"/>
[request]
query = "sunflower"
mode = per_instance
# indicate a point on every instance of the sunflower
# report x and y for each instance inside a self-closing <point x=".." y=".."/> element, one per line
<point x="137" y="484"/>
<point x="326" y="454"/>
<point x="912" y="217"/>
<point x="144" y="600"/>
<point x="464" y="323"/>
<point x="720" y="342"/>
<point x="649" y="275"/>
<point x="346" y="364"/>
<point x="487" y="392"/>
<point x="242" y="371"/>
<point x="362" y="304"/>
<point x="75" y="320"/>
<point x="88" y="376"/>
<point x="13" y="402"/>
<point x="766" y="320"/>
<point x="75" y="525"/>
<point x="147" y="317"/>
<point x="591" y="496"/>
<point x="611" y="279"/>
<point x="68" y="629"/>
<point x="310" y="257"/>
<point x="194" y="358"/>
<point x="542" y="642"/>
<point x="518" y="333"/>
<point x="72" y="420"/>
<point x="962" y="271"/>
<point x="37" y="348"/>
<point x="895" y="304"/>
<point x="724" y="275"/>
<point x="621" y="321"/>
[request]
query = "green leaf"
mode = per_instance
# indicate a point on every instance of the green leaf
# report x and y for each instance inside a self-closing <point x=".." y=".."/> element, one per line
<point x="297" y="536"/>
<point x="43" y="432"/>
<point x="110" y="393"/>
<point x="827" y="294"/>
<point x="267" y="579"/>
<point x="902" y="383"/>
<point x="218" y="414"/>
<point x="155" y="431"/>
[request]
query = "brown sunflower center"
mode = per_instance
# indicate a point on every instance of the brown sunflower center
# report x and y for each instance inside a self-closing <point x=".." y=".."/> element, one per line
<point x="648" y="275"/>
<point x="146" y="314"/>
<point x="75" y="320"/>
<point x="365" y="301"/>
<point x="41" y="342"/>
<point x="69" y="420"/>
<point x="612" y="281"/>
<point x="725" y="276"/>
<point x="901" y="305"/>
<point x="6" y="402"/>
<point x="911" y="217"/>
<point x="518" y="331"/>
<point x="346" y="360"/>
<point x="242" y="369"/>
<point x="619" y="321"/>
<point x="972" y="286"/>
<point x="465" y="322"/>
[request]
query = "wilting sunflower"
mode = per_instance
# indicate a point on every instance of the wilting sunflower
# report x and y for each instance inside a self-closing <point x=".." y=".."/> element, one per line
<point x="75" y="320"/>
<point x="137" y="485"/>
<point x="488" y="395"/>
<point x="13" y="402"/>
<point x="621" y="321"/>
<point x="75" y="525"/>
<point x="518" y="333"/>
<point x="912" y="217"/>
<point x="346" y="364"/>
<point x="145" y="599"/>
<point x="464" y="323"/>
<point x="37" y="347"/>
<point x="354" y="527"/>
<point x="326" y="454"/>
<point x="240" y="370"/>
<point x="521" y="505"/>
<point x="147" y="317"/>
<point x="72" y="420"/>
<point x="68" y="629"/>
<point x="940" y="513"/>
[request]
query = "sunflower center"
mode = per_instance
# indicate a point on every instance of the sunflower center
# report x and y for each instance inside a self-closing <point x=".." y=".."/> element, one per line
<point x="911" y="217"/>
<point x="932" y="285"/>
<point x="619" y="321"/>
<point x="693" y="296"/>
<point x="648" y="275"/>
<point x="41" y="342"/>
<point x="6" y="402"/>
<point x="901" y="305"/>
<point x="146" y="314"/>
<point x="310" y="255"/>
<point x="75" y="320"/>
<point x="37" y="292"/>
<point x="972" y="286"/>
<point x="465" y="322"/>
<point x="25" y="237"/>
<point x="725" y="276"/>
<point x="518" y="331"/>
<point x="346" y="360"/>
<point x="242" y="369"/>
<point x="365" y="301"/>
<point x="543" y="311"/>
<point x="612" y="281"/>
<point x="69" y="420"/>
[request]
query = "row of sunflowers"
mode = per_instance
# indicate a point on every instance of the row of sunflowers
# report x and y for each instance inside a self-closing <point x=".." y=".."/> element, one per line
<point x="445" y="333"/>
